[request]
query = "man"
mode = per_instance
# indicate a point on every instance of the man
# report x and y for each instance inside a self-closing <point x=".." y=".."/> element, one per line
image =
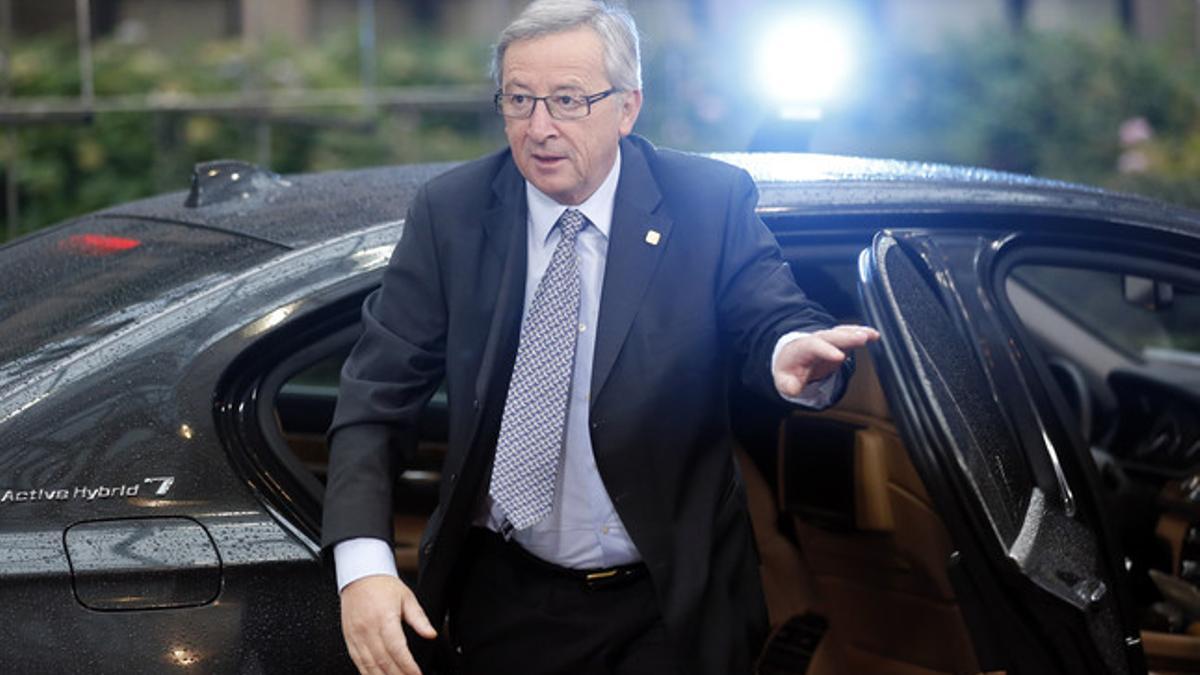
<point x="584" y="296"/>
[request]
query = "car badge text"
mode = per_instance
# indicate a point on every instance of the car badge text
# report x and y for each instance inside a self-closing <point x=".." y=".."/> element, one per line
<point x="160" y="485"/>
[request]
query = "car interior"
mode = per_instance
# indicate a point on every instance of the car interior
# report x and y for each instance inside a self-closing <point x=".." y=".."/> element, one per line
<point x="1123" y="346"/>
<point x="854" y="553"/>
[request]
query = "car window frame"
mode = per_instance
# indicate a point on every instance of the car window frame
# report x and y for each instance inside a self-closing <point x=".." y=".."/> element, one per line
<point x="250" y="384"/>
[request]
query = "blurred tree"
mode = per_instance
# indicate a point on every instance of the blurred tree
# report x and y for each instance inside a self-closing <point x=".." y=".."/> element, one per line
<point x="1127" y="16"/>
<point x="104" y="16"/>
<point x="66" y="168"/>
<point x="1046" y="104"/>
<point x="427" y="12"/>
<point x="1017" y="11"/>
<point x="233" y="18"/>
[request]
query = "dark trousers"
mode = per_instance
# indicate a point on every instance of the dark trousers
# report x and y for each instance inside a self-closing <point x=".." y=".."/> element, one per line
<point x="514" y="615"/>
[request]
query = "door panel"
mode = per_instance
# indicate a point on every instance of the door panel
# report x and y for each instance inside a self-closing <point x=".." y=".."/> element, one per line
<point x="1037" y="588"/>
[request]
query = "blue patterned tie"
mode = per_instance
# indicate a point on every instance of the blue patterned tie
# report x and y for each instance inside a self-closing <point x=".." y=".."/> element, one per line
<point x="534" y="424"/>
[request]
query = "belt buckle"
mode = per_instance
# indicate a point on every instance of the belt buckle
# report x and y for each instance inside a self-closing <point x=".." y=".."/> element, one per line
<point x="601" y="578"/>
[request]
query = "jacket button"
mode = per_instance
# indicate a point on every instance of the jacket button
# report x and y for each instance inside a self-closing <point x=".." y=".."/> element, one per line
<point x="453" y="477"/>
<point x="475" y="404"/>
<point x="428" y="548"/>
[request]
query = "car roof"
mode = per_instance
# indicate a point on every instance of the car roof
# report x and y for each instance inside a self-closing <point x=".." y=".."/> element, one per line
<point x="303" y="209"/>
<point x="72" y="286"/>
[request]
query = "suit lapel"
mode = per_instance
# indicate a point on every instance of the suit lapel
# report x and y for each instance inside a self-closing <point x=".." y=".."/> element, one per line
<point x="632" y="258"/>
<point x="504" y="226"/>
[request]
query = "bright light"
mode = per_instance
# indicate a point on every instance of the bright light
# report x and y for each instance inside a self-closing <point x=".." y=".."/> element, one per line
<point x="804" y="61"/>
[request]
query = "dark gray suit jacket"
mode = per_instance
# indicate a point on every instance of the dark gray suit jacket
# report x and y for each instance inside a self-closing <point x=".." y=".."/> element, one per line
<point x="677" y="319"/>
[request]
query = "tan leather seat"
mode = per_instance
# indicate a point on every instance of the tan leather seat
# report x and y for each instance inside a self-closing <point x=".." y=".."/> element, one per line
<point x="407" y="529"/>
<point x="877" y="560"/>
<point x="787" y="584"/>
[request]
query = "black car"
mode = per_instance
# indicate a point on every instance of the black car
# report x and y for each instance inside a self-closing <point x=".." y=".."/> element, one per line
<point x="1011" y="483"/>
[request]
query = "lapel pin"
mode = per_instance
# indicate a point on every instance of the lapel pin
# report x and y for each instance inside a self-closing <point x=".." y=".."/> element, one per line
<point x="653" y="237"/>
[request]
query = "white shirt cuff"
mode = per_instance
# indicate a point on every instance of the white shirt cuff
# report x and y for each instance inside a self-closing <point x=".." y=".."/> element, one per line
<point x="814" y="394"/>
<point x="361" y="557"/>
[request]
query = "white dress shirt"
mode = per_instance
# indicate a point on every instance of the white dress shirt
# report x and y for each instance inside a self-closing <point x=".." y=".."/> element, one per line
<point x="583" y="529"/>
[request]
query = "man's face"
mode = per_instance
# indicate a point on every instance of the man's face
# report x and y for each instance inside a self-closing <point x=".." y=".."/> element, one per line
<point x="566" y="159"/>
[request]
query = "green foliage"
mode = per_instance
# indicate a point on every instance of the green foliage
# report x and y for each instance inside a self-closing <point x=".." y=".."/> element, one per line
<point x="67" y="168"/>
<point x="1047" y="104"/>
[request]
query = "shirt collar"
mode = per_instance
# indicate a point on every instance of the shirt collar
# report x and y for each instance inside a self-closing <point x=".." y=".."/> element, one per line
<point x="544" y="212"/>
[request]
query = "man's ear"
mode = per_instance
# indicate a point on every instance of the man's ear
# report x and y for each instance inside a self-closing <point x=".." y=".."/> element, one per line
<point x="631" y="106"/>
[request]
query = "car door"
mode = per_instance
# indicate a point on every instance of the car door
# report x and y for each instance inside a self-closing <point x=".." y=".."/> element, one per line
<point x="1036" y="572"/>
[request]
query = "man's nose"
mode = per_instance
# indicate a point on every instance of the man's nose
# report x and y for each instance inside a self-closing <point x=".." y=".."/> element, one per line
<point x="541" y="124"/>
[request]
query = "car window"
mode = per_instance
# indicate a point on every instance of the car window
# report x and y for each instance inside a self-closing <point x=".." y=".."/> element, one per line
<point x="1144" y="328"/>
<point x="322" y="378"/>
<point x="304" y="409"/>
<point x="1122" y="352"/>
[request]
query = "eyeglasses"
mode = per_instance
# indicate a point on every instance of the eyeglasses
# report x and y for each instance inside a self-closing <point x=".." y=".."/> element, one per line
<point x="560" y="106"/>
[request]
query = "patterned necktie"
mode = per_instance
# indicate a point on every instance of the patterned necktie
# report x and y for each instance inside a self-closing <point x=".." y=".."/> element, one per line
<point x="533" y="427"/>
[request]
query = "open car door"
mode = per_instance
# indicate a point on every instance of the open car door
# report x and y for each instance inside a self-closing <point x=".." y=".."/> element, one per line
<point x="1036" y="573"/>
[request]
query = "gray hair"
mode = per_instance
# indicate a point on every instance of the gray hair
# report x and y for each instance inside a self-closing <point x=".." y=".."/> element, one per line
<point x="613" y="23"/>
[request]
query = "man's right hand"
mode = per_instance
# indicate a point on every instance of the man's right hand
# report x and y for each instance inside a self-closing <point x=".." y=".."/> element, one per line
<point x="374" y="611"/>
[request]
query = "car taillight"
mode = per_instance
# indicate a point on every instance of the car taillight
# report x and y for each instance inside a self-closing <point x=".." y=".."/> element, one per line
<point x="96" y="244"/>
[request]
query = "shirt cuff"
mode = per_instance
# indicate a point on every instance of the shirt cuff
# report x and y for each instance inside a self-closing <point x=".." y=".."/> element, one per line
<point x="361" y="557"/>
<point x="814" y="394"/>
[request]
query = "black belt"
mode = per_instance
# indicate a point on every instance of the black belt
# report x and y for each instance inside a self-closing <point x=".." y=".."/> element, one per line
<point x="592" y="579"/>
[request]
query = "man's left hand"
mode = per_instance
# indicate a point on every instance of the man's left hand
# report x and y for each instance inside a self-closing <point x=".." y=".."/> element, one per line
<point x="815" y="356"/>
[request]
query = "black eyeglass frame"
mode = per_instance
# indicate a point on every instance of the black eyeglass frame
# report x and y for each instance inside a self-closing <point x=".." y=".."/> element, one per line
<point x="588" y="99"/>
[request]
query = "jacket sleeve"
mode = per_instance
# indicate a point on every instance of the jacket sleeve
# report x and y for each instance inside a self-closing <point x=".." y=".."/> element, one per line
<point x="392" y="372"/>
<point x="758" y="300"/>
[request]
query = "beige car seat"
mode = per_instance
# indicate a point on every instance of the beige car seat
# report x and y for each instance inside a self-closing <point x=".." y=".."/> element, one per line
<point x="871" y="542"/>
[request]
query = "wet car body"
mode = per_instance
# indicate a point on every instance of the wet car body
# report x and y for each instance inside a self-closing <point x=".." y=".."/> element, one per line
<point x="152" y="517"/>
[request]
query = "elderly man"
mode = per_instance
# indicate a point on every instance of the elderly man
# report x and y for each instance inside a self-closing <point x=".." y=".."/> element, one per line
<point x="585" y="296"/>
